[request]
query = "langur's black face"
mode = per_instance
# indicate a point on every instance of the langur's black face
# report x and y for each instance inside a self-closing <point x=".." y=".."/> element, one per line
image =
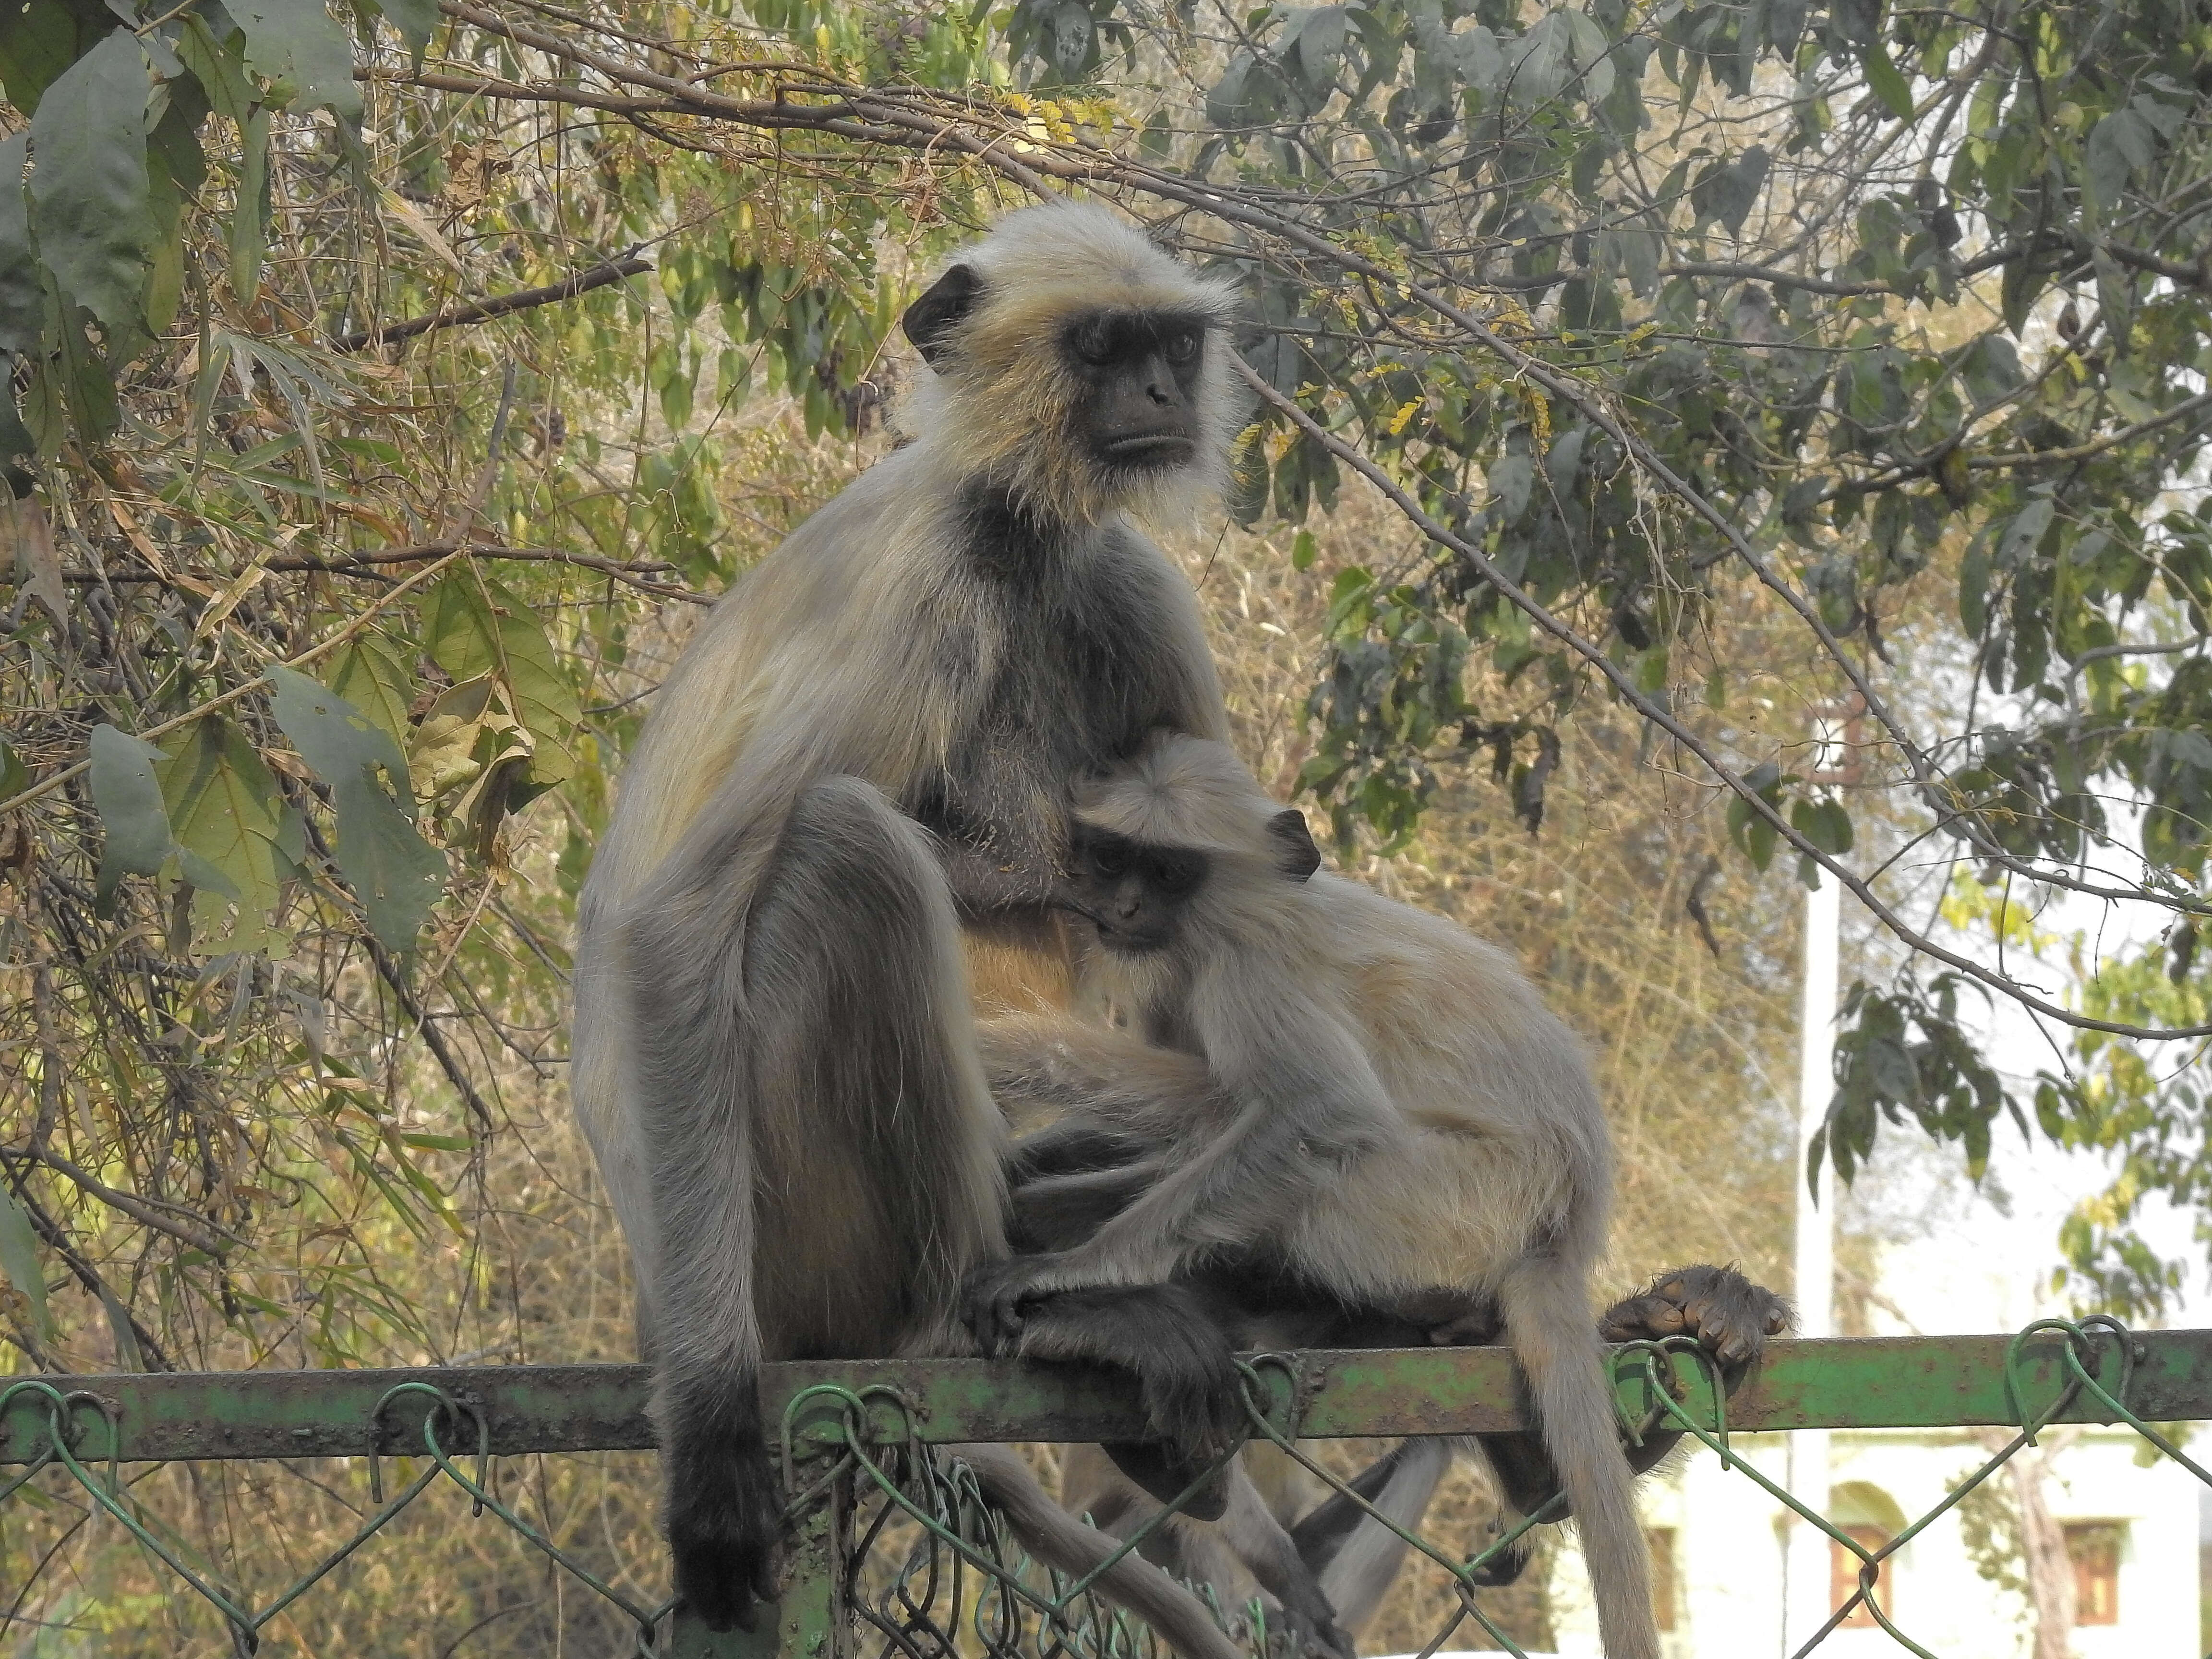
<point x="1135" y="896"/>
<point x="1140" y="370"/>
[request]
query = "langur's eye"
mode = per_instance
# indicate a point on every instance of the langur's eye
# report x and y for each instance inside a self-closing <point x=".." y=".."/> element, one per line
<point x="1108" y="861"/>
<point x="1174" y="879"/>
<point x="1182" y="348"/>
<point x="1094" y="343"/>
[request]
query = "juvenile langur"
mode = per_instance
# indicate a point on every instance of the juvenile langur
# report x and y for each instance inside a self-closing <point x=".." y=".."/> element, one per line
<point x="866" y="749"/>
<point x="1332" y="1089"/>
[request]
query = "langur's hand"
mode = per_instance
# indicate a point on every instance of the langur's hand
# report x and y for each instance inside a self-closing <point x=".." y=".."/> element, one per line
<point x="991" y="1301"/>
<point x="724" y="1529"/>
<point x="1730" y="1316"/>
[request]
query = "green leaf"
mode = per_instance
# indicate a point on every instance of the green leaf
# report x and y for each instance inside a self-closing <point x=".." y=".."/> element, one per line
<point x="473" y="626"/>
<point x="227" y="817"/>
<point x="136" y="836"/>
<point x="219" y="68"/>
<point x="397" y="876"/>
<point x="1753" y="835"/>
<point x="89" y="204"/>
<point x="23" y="297"/>
<point x="249" y="214"/>
<point x="127" y="1356"/>
<point x="1889" y="84"/>
<point x="415" y="20"/>
<point x="15" y="776"/>
<point x="19" y="1260"/>
<point x="1511" y="478"/>
<point x="371" y="678"/>
<point x="299" y="42"/>
<point x="1974" y="590"/>
<point x="1823" y="823"/>
<point x="38" y="42"/>
<point x="2122" y="144"/>
<point x="2018" y="542"/>
<point x="1729" y="192"/>
<point x="436" y="1143"/>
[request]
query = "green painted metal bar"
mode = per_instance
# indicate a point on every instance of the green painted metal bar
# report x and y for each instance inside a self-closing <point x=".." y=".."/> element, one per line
<point x="1887" y="1382"/>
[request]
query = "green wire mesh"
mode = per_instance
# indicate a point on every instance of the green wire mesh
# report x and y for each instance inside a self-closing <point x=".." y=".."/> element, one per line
<point x="897" y="1556"/>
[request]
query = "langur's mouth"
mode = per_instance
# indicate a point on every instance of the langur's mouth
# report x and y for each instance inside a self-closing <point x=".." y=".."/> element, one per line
<point x="1167" y="447"/>
<point x="1126" y="942"/>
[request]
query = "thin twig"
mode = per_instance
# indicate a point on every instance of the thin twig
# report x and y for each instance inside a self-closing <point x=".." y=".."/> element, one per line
<point x="503" y="304"/>
<point x="53" y="780"/>
<point x="1625" y="688"/>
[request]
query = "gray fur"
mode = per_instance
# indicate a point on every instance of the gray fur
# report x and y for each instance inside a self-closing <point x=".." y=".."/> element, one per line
<point x="1385" y="1107"/>
<point x="774" y="1057"/>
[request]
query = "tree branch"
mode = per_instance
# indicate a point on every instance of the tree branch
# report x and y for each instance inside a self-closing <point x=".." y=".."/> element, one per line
<point x="1625" y="688"/>
<point x="502" y="305"/>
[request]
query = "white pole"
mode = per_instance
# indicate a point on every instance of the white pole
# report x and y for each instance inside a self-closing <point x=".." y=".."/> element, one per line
<point x="1806" y="1605"/>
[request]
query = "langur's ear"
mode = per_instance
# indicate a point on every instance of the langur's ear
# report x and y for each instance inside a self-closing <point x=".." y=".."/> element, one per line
<point x="929" y="319"/>
<point x="1295" y="855"/>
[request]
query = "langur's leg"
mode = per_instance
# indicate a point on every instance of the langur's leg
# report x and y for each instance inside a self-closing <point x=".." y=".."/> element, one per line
<point x="822" y="1148"/>
<point x="1356" y="1560"/>
<point x="1244" y="1551"/>
<point x="1100" y="1076"/>
<point x="1058" y="1213"/>
<point x="1187" y="1378"/>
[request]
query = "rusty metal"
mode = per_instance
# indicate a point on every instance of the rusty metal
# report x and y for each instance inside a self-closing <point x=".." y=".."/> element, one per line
<point x="1888" y="1383"/>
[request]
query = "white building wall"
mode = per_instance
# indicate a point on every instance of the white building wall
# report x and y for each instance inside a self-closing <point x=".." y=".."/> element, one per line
<point x="1729" y="1553"/>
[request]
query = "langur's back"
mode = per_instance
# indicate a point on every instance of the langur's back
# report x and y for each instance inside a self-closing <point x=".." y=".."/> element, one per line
<point x="1467" y="1042"/>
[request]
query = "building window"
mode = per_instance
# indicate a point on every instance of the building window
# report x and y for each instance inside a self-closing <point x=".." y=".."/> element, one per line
<point x="2094" y="1546"/>
<point x="1663" y="1569"/>
<point x="1843" y="1575"/>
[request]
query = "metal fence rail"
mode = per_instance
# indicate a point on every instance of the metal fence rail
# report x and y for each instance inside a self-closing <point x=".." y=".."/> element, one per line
<point x="892" y="1552"/>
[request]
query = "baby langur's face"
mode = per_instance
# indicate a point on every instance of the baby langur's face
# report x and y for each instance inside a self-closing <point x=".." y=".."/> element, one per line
<point x="1136" y="895"/>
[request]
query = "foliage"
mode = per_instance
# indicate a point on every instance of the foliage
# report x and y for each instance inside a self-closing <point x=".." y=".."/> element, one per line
<point x="336" y="599"/>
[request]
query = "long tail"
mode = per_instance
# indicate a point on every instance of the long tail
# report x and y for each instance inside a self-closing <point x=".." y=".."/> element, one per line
<point x="1060" y="1540"/>
<point x="1548" y="1324"/>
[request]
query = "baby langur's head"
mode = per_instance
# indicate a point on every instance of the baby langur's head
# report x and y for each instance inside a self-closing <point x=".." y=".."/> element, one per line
<point x="1180" y="837"/>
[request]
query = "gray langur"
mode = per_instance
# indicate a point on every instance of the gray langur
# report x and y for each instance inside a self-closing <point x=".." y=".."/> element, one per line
<point x="1328" y="1087"/>
<point x="864" y="757"/>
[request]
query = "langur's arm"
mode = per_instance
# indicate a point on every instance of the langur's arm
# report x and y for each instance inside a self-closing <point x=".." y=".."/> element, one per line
<point x="1058" y="1213"/>
<point x="988" y="880"/>
<point x="1310" y="1103"/>
<point x="1097" y="1076"/>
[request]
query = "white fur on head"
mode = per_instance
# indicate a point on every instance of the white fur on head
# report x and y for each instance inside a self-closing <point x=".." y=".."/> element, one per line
<point x="997" y="400"/>
<point x="1179" y="791"/>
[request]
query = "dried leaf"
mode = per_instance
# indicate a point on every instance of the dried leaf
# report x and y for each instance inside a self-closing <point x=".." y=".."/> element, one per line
<point x="19" y="1261"/>
<point x="32" y="541"/>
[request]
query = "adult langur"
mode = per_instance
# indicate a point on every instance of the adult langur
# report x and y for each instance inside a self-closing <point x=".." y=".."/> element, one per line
<point x="868" y="748"/>
<point x="1314" y="1086"/>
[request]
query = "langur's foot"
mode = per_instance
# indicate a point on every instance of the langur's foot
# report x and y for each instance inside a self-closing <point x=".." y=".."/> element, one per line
<point x="1730" y="1316"/>
<point x="725" y="1529"/>
<point x="1296" y="1636"/>
<point x="1503" y="1568"/>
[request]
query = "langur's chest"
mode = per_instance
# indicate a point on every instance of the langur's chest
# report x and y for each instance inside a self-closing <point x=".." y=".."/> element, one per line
<point x="1064" y="683"/>
<point x="1068" y="692"/>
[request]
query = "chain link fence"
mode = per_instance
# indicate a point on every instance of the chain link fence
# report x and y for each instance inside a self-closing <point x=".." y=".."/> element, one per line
<point x="895" y="1555"/>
